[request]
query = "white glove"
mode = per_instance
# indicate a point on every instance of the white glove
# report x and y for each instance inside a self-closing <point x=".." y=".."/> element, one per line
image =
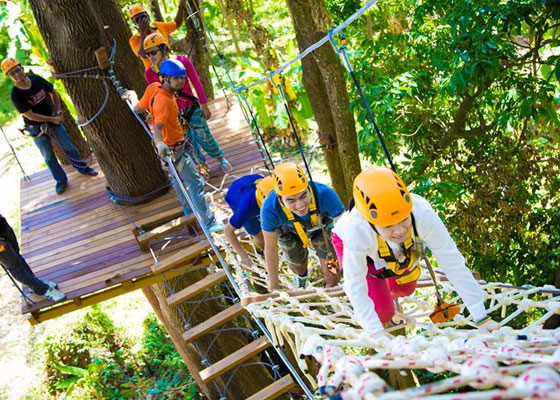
<point x="162" y="149"/>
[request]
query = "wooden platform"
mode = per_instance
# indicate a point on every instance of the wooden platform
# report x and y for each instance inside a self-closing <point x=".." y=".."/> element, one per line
<point x="85" y="243"/>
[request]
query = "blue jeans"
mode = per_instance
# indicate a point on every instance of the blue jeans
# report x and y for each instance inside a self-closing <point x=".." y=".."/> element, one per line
<point x="195" y="188"/>
<point x="45" y="146"/>
<point x="201" y="137"/>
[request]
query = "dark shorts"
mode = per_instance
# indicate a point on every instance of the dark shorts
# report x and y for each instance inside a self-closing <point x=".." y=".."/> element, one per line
<point x="296" y="254"/>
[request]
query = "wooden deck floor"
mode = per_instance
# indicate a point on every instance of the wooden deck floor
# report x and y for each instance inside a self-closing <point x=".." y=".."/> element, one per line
<point x="85" y="243"/>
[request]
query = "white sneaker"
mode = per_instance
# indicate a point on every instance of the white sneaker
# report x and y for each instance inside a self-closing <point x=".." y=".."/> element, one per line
<point x="300" y="281"/>
<point x="54" y="295"/>
<point x="216" y="227"/>
<point x="50" y="284"/>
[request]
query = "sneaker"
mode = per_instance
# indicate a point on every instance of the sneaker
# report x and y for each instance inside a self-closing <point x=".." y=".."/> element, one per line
<point x="60" y="187"/>
<point x="225" y="165"/>
<point x="89" y="171"/>
<point x="300" y="281"/>
<point x="54" y="295"/>
<point x="50" y="284"/>
<point x="216" y="227"/>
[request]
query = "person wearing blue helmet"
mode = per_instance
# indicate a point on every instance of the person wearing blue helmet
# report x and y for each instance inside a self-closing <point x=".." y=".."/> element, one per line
<point x="159" y="100"/>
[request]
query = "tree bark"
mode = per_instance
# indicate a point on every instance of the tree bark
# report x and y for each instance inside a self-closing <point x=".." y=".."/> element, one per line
<point x="197" y="48"/>
<point x="73" y="30"/>
<point x="74" y="133"/>
<point x="156" y="11"/>
<point x="326" y="87"/>
<point x="244" y="384"/>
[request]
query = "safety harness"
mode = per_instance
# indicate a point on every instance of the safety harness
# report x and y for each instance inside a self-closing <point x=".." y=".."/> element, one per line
<point x="300" y="229"/>
<point x="407" y="270"/>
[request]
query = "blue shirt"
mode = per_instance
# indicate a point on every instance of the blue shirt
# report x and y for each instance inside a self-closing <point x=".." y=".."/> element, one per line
<point x="241" y="198"/>
<point x="272" y="216"/>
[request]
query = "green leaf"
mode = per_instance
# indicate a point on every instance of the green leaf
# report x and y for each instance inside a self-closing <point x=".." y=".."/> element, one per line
<point x="71" y="370"/>
<point x="67" y="383"/>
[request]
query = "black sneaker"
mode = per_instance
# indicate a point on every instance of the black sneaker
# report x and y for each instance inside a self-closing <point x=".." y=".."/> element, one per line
<point x="60" y="187"/>
<point x="89" y="171"/>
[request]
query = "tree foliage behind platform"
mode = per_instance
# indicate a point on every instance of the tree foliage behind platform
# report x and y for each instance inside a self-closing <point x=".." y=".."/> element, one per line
<point x="466" y="94"/>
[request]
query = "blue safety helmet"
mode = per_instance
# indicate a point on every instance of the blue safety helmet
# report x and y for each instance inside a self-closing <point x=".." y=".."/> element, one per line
<point x="172" y="68"/>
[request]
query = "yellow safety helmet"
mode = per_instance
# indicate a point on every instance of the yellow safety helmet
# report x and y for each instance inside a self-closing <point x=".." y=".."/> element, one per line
<point x="154" y="40"/>
<point x="8" y="64"/>
<point x="263" y="187"/>
<point x="381" y="196"/>
<point x="289" y="179"/>
<point x="136" y="9"/>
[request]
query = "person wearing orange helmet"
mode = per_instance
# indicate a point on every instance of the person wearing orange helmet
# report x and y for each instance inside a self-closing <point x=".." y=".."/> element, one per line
<point x="141" y="19"/>
<point x="194" y="110"/>
<point x="290" y="218"/>
<point x="378" y="243"/>
<point x="245" y="197"/>
<point x="40" y="105"/>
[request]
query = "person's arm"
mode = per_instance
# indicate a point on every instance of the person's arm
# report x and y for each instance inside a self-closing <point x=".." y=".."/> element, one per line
<point x="271" y="259"/>
<point x="158" y="133"/>
<point x="180" y="13"/>
<point x="231" y="237"/>
<point x="57" y="102"/>
<point x="433" y="232"/>
<point x="57" y="119"/>
<point x="138" y="109"/>
<point x="144" y="30"/>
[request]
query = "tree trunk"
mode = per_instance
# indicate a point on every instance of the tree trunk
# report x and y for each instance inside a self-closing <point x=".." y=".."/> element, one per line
<point x="230" y="27"/>
<point x="197" y="48"/>
<point x="330" y="103"/>
<point x="73" y="30"/>
<point x="75" y="135"/>
<point x="156" y="11"/>
<point x="243" y="384"/>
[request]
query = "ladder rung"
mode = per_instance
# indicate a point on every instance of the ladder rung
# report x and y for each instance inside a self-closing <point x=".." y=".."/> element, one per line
<point x="179" y="258"/>
<point x="277" y="388"/>
<point x="159" y="231"/>
<point x="234" y="359"/>
<point x="196" y="288"/>
<point x="160" y="219"/>
<point x="214" y="322"/>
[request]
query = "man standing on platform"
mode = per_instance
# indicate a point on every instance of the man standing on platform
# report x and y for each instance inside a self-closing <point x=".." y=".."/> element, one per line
<point x="40" y="104"/>
<point x="15" y="264"/>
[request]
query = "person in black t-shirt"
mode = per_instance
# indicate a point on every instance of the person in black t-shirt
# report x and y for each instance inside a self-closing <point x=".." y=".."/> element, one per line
<point x="40" y="105"/>
<point x="11" y="260"/>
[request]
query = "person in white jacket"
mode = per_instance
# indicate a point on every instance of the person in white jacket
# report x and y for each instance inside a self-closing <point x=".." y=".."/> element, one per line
<point x="377" y="245"/>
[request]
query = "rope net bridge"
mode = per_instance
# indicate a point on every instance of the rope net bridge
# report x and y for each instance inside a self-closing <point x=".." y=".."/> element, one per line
<point x="451" y="360"/>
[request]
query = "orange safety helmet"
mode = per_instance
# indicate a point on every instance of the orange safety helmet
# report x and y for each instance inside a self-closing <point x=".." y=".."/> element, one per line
<point x="289" y="179"/>
<point x="154" y="40"/>
<point x="381" y="196"/>
<point x="8" y="64"/>
<point x="136" y="9"/>
<point x="263" y="187"/>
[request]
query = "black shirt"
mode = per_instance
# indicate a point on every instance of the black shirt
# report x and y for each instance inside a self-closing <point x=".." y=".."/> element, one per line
<point x="36" y="98"/>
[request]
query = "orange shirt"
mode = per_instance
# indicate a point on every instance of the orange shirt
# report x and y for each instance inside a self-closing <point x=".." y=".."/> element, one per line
<point x="163" y="110"/>
<point x="165" y="28"/>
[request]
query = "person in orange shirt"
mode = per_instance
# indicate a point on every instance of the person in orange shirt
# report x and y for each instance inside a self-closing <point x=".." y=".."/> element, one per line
<point x="141" y="20"/>
<point x="159" y="100"/>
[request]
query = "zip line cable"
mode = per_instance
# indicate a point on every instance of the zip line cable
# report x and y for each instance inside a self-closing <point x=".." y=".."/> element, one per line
<point x="311" y="48"/>
<point x="342" y="51"/>
<point x="25" y="176"/>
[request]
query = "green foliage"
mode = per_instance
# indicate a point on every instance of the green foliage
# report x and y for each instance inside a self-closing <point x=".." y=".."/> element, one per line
<point x="466" y="95"/>
<point x="95" y="361"/>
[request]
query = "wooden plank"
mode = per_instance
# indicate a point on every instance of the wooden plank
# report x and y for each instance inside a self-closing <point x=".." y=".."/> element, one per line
<point x="160" y="218"/>
<point x="205" y="283"/>
<point x="274" y="390"/>
<point x="214" y="322"/>
<point x="179" y="258"/>
<point x="235" y="359"/>
<point x="160" y="231"/>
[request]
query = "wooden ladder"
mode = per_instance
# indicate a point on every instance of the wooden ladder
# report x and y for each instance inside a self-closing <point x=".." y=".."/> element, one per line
<point x="172" y="221"/>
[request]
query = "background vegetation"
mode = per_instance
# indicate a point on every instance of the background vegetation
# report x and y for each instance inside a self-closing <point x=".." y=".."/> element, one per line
<point x="466" y="93"/>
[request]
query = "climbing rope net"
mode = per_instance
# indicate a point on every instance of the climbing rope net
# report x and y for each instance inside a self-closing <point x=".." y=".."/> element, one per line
<point x="452" y="360"/>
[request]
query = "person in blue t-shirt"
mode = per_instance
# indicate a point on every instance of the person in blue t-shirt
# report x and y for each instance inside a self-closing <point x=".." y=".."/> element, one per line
<point x="289" y="217"/>
<point x="245" y="197"/>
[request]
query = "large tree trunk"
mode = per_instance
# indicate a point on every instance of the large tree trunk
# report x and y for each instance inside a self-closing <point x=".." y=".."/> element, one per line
<point x="73" y="30"/>
<point x="197" y="48"/>
<point x="74" y="133"/>
<point x="244" y="384"/>
<point x="330" y="104"/>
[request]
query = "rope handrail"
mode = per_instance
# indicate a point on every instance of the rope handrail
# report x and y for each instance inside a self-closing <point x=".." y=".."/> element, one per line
<point x="311" y="48"/>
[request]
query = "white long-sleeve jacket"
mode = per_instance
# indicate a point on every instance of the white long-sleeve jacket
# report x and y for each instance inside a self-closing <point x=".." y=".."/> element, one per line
<point x="360" y="241"/>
